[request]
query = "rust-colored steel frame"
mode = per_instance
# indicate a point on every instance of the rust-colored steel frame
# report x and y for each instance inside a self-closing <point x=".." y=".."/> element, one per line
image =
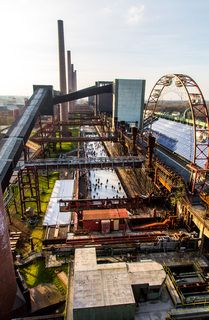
<point x="79" y="241"/>
<point x="78" y="116"/>
<point x="84" y="163"/>
<point x="126" y="238"/>
<point x="72" y="139"/>
<point x="197" y="105"/>
<point x="89" y="204"/>
<point x="29" y="189"/>
<point x="42" y="135"/>
<point x="52" y="128"/>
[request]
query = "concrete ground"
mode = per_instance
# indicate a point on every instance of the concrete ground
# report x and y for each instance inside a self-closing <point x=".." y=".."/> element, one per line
<point x="102" y="183"/>
<point x="175" y="258"/>
<point x="45" y="295"/>
<point x="155" y="309"/>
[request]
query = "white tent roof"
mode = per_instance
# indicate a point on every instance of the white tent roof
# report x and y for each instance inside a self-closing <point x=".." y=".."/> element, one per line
<point x="63" y="189"/>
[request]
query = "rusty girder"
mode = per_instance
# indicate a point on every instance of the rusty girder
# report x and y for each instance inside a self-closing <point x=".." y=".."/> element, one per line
<point x="198" y="108"/>
<point x="89" y="204"/>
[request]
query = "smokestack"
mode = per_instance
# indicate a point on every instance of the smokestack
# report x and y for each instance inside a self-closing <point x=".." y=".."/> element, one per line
<point x="72" y="104"/>
<point x="70" y="78"/>
<point x="62" y="57"/>
<point x="62" y="69"/>
<point x="7" y="275"/>
<point x="75" y="80"/>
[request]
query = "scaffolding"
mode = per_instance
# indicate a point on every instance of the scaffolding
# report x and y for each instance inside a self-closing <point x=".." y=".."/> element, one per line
<point x="29" y="189"/>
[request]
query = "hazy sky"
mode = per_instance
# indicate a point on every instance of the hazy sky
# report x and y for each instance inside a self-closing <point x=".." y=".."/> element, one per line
<point x="109" y="39"/>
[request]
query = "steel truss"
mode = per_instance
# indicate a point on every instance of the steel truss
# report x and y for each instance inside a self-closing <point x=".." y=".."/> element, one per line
<point x="198" y="108"/>
<point x="89" y="204"/>
<point x="197" y="105"/>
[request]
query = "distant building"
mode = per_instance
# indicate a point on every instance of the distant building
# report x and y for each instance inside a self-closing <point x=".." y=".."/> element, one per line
<point x="129" y="101"/>
<point x="11" y="108"/>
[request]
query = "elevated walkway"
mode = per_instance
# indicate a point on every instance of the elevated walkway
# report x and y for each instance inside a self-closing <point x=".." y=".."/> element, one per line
<point x="72" y="139"/>
<point x="84" y="163"/>
<point x="89" y="204"/>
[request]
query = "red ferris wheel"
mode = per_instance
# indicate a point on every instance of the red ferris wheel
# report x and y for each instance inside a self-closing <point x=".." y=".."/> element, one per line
<point x="198" y="109"/>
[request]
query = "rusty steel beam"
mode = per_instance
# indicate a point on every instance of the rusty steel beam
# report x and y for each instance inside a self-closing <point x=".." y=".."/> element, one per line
<point x="7" y="274"/>
<point x="75" y="120"/>
<point x="89" y="204"/>
<point x="199" y="111"/>
<point x="77" y="110"/>
<point x="51" y="127"/>
<point x="77" y="241"/>
<point x="78" y="116"/>
<point x="71" y="139"/>
<point x="83" y="122"/>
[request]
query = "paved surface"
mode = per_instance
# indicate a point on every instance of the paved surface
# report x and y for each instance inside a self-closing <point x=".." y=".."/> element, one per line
<point x="175" y="258"/>
<point x="102" y="183"/>
<point x="156" y="309"/>
<point x="45" y="295"/>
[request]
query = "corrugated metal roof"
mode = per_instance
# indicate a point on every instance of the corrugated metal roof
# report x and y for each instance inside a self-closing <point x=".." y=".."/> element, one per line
<point x="63" y="189"/>
<point x="53" y="216"/>
<point x="104" y="214"/>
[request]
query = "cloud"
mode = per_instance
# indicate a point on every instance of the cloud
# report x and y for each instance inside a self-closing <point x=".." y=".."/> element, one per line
<point x="135" y="15"/>
<point x="107" y="11"/>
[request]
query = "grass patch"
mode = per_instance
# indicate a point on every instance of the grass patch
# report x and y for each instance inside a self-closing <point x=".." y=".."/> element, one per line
<point x="36" y="273"/>
<point x="45" y="192"/>
<point x="67" y="146"/>
<point x="37" y="235"/>
<point x="36" y="232"/>
<point x="75" y="132"/>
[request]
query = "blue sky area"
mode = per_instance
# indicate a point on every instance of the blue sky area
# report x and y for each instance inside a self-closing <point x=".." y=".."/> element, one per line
<point x="108" y="39"/>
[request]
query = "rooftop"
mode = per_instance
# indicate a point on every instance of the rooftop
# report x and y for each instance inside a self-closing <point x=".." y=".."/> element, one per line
<point x="97" y="285"/>
<point x="105" y="214"/>
<point x="150" y="272"/>
<point x="63" y="189"/>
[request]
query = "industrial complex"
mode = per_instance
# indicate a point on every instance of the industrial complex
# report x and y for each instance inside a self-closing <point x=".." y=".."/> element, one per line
<point x="104" y="202"/>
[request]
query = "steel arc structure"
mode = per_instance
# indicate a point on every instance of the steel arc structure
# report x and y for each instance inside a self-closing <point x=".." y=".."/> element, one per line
<point x="198" y="109"/>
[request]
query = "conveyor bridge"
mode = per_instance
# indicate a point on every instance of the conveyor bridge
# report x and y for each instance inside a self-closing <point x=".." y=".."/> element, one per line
<point x="83" y="163"/>
<point x="41" y="102"/>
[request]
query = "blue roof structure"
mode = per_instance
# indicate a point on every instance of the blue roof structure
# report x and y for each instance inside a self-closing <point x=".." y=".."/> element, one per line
<point x="177" y="137"/>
